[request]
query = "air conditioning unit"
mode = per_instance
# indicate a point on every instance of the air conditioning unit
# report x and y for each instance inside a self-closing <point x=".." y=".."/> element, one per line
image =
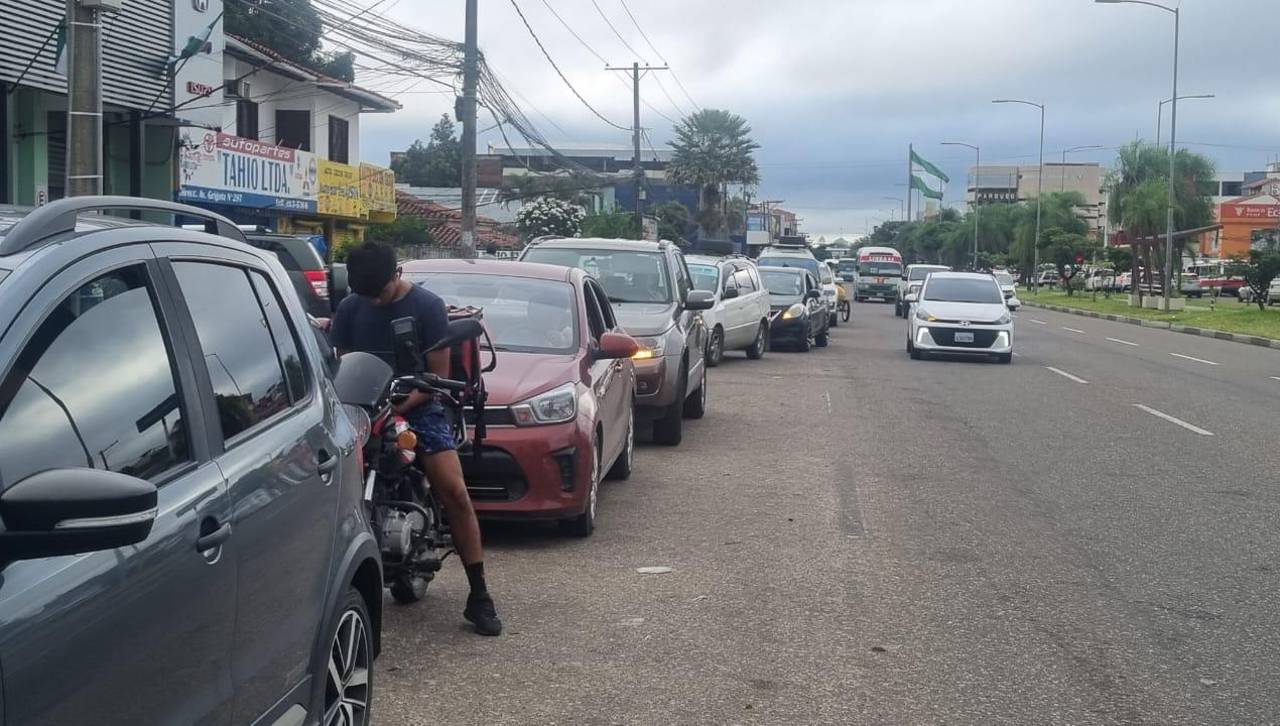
<point x="236" y="88"/>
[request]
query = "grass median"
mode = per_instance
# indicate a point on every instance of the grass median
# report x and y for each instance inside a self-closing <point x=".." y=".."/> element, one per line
<point x="1227" y="314"/>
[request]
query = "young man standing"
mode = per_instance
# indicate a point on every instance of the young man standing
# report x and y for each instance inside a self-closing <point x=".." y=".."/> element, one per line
<point x="363" y="323"/>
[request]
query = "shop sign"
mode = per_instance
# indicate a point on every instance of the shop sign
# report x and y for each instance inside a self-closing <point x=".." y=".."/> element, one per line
<point x="339" y="193"/>
<point x="1260" y="212"/>
<point x="377" y="189"/>
<point x="221" y="169"/>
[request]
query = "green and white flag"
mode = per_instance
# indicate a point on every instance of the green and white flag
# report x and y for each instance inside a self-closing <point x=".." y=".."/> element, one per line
<point x="919" y="185"/>
<point x="923" y="164"/>
<point x="60" y="49"/>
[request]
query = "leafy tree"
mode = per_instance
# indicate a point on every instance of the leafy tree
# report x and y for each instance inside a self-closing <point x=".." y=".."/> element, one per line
<point x="575" y="187"/>
<point x="405" y="230"/>
<point x="1069" y="252"/>
<point x="673" y="221"/>
<point x="611" y="225"/>
<point x="291" y="28"/>
<point x="713" y="148"/>
<point x="437" y="163"/>
<point x="548" y="216"/>
<point x="1261" y="267"/>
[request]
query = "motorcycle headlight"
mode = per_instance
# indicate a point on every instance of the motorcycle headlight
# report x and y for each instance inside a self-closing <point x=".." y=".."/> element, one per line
<point x="651" y="347"/>
<point x="794" y="311"/>
<point x="558" y="405"/>
<point x="922" y="314"/>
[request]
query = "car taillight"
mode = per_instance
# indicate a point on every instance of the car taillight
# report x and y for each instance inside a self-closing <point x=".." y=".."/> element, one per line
<point x="319" y="282"/>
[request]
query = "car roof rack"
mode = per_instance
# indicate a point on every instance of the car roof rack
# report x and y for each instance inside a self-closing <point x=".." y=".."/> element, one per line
<point x="61" y="216"/>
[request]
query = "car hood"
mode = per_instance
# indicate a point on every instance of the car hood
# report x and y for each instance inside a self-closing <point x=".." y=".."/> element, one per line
<point x="974" y="312"/>
<point x="782" y="302"/>
<point x="521" y="375"/>
<point x="644" y="318"/>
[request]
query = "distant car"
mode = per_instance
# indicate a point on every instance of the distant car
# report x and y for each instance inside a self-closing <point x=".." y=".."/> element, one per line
<point x="830" y="295"/>
<point x="960" y="313"/>
<point x="652" y="293"/>
<point x="740" y="318"/>
<point x="306" y="270"/>
<point x="1273" y="292"/>
<point x="798" y="316"/>
<point x="1048" y="278"/>
<point x="560" y="412"/>
<point x="1123" y="282"/>
<point x="913" y="277"/>
<point x="1008" y="288"/>
<point x="1190" y="286"/>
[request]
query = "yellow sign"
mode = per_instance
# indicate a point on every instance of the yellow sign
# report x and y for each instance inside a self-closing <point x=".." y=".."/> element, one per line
<point x="339" y="190"/>
<point x="378" y="192"/>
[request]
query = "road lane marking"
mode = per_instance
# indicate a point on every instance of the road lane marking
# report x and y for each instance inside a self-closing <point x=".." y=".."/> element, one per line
<point x="1122" y="342"/>
<point x="1171" y="419"/>
<point x="827" y="396"/>
<point x="1037" y="322"/>
<point x="1066" y="375"/>
<point x="1074" y="330"/>
<point x="1275" y="378"/>
<point x="1198" y="360"/>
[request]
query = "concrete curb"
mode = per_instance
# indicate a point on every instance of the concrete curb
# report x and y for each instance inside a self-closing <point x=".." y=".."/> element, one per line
<point x="1187" y="329"/>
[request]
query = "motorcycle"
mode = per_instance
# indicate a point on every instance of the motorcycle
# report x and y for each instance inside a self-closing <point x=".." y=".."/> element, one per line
<point x="407" y="518"/>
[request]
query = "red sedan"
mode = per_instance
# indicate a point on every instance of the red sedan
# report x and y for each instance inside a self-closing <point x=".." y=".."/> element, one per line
<point x="560" y="408"/>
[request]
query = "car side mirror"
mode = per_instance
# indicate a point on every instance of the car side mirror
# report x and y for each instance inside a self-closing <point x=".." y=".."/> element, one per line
<point x="729" y="293"/>
<point x="699" y="300"/>
<point x="73" y="511"/>
<point x="339" y="287"/>
<point x="617" y="345"/>
<point x="910" y="297"/>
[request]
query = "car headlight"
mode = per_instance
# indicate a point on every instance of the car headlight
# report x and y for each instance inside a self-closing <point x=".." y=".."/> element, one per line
<point x="922" y="314"/>
<point x="794" y="311"/>
<point x="650" y="348"/>
<point x="1005" y="319"/>
<point x="558" y="405"/>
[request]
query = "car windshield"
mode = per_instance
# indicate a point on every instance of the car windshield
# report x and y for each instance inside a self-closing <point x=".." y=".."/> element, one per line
<point x="522" y="315"/>
<point x="628" y="276"/>
<point x="875" y="268"/>
<point x="847" y="265"/>
<point x="919" y="273"/>
<point x="783" y="284"/>
<point x="963" y="290"/>
<point x="803" y="263"/>
<point x="705" y="277"/>
<point x="1003" y="278"/>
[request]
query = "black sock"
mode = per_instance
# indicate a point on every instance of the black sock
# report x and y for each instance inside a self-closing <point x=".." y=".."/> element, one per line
<point x="475" y="576"/>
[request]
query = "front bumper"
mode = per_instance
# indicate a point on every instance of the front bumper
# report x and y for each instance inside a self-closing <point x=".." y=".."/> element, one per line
<point x="534" y="472"/>
<point x="943" y="338"/>
<point x="790" y="330"/>
<point x="657" y="384"/>
<point x="888" y="292"/>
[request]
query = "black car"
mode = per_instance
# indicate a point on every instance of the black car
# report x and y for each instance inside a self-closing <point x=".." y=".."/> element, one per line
<point x="314" y="282"/>
<point x="798" y="316"/>
<point x="182" y="530"/>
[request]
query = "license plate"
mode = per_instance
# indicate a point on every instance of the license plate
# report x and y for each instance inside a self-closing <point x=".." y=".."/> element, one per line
<point x="964" y="337"/>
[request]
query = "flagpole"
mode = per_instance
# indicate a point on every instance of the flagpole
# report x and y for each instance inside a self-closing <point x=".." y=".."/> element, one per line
<point x="911" y="170"/>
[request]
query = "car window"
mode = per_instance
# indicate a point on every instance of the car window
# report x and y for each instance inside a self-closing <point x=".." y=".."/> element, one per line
<point x="803" y="263"/>
<point x="755" y="277"/>
<point x="626" y="275"/>
<point x="683" y="285"/>
<point x="95" y="387"/>
<point x="282" y="254"/>
<point x="248" y="382"/>
<point x="963" y="290"/>
<point x="595" y="317"/>
<point x="610" y="322"/>
<point x="786" y="284"/>
<point x="521" y="314"/>
<point x="742" y="278"/>
<point x="825" y="273"/>
<point x="282" y="334"/>
<point x="705" y="277"/>
<point x="878" y="268"/>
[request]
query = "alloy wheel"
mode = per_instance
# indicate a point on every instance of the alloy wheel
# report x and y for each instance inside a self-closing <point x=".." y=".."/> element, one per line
<point x="347" y="687"/>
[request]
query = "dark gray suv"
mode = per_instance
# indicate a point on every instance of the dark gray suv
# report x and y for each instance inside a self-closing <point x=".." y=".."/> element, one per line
<point x="182" y="537"/>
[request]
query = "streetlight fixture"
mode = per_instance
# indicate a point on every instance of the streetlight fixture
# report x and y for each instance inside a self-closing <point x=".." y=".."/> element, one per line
<point x="977" y="169"/>
<point x="1035" y="277"/>
<point x="1160" y="111"/>
<point x="901" y="206"/>
<point x="1173" y="139"/>
<point x="1064" y="160"/>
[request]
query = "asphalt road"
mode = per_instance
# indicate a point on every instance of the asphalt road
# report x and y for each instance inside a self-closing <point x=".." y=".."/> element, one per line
<point x="857" y="538"/>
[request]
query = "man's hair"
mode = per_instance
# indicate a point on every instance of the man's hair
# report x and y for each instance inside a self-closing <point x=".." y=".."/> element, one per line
<point x="370" y="267"/>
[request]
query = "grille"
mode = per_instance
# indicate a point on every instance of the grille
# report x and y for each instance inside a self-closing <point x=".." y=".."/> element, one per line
<point x="493" y="416"/>
<point x="493" y="477"/>
<point x="947" y="337"/>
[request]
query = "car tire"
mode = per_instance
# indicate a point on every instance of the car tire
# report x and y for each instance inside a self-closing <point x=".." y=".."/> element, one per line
<point x="805" y="345"/>
<point x="348" y="691"/>
<point x="409" y="589"/>
<point x="911" y="349"/>
<point x="669" y="429"/>
<point x="1005" y="357"/>
<point x="822" y="339"/>
<point x="622" y="466"/>
<point x="715" y="347"/>
<point x="584" y="524"/>
<point x="834" y="322"/>
<point x="695" y="406"/>
<point x="761" y="343"/>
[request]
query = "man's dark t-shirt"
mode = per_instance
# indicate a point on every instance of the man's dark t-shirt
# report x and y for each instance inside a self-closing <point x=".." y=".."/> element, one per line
<point x="359" y="325"/>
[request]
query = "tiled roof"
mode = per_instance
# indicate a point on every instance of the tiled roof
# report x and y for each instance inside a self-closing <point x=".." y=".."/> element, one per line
<point x="445" y="224"/>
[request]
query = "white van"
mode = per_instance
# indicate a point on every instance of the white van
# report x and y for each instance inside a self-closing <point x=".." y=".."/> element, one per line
<point x="739" y="318"/>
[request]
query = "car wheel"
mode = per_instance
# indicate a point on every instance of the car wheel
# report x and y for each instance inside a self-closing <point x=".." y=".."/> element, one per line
<point x="821" y="339"/>
<point x="695" y="406"/>
<point x="584" y="524"/>
<point x="805" y="344"/>
<point x="669" y="429"/>
<point x="911" y="349"/>
<point x="348" y="691"/>
<point x="1005" y="357"/>
<point x="408" y="589"/>
<point x="834" y="321"/>
<point x="761" y="344"/>
<point x="622" y="466"/>
<point x="715" y="348"/>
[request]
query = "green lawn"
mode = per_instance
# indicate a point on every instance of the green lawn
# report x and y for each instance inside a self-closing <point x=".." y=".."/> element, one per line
<point x="1229" y="315"/>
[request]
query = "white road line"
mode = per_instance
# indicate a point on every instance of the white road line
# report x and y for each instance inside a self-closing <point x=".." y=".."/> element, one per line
<point x="1275" y="378"/>
<point x="827" y="396"/>
<point x="1198" y="360"/>
<point x="1122" y="342"/>
<point x="1037" y="322"/>
<point x="1066" y="375"/>
<point x="1173" y="420"/>
<point x="1074" y="330"/>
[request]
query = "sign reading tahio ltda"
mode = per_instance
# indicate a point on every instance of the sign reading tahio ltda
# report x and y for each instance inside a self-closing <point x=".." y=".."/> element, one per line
<point x="222" y="169"/>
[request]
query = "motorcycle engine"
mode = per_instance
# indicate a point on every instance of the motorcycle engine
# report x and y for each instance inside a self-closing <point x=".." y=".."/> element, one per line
<point x="398" y="531"/>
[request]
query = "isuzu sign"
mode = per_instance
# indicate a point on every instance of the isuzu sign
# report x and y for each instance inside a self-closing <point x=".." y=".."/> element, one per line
<point x="200" y="5"/>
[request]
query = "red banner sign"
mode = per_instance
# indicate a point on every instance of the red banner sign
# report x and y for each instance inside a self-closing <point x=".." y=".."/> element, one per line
<point x="1260" y="212"/>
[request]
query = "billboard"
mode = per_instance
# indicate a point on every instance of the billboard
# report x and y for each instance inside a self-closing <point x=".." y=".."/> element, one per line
<point x="339" y="190"/>
<point x="378" y="192"/>
<point x="216" y="168"/>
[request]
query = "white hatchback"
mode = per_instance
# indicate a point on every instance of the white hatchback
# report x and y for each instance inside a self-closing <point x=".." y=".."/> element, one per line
<point x="959" y="313"/>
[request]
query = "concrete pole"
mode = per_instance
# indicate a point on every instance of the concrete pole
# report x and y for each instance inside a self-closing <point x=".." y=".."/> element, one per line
<point x="84" y="101"/>
<point x="1173" y="159"/>
<point x="470" y="71"/>
<point x="638" y="173"/>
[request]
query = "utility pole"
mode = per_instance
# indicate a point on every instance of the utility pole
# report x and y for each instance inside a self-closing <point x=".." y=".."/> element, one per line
<point x="637" y="170"/>
<point x="911" y="170"/>
<point x="470" y="69"/>
<point x="84" y="96"/>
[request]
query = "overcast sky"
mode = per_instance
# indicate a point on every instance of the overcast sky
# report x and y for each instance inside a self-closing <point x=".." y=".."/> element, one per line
<point x="836" y="89"/>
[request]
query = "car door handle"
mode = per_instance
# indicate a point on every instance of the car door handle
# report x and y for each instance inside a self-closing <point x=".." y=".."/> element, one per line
<point x="326" y="462"/>
<point x="214" y="538"/>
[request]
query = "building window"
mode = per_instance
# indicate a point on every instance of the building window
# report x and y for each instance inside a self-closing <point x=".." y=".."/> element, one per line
<point x="247" y="119"/>
<point x="1232" y="189"/>
<point x="339" y="136"/>
<point x="293" y="129"/>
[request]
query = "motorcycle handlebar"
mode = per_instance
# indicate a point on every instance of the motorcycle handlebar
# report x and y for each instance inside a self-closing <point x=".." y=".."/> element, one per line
<point x="431" y="383"/>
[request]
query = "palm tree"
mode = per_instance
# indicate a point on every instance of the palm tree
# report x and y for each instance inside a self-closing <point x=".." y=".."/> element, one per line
<point x="713" y="148"/>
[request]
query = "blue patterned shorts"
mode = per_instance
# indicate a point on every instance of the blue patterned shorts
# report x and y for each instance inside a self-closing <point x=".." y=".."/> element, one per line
<point x="431" y="423"/>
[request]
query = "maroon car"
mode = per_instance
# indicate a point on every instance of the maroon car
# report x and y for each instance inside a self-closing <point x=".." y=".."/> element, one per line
<point x="560" y="408"/>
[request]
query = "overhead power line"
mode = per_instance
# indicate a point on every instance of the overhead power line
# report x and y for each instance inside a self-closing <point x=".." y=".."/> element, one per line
<point x="574" y="33"/>
<point x="654" y="48"/>
<point x="608" y="22"/>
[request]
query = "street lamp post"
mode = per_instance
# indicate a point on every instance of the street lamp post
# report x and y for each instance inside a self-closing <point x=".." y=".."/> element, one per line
<point x="1035" y="276"/>
<point x="901" y="209"/>
<point x="1173" y="138"/>
<point x="977" y="168"/>
<point x="1064" y="161"/>
<point x="1160" y="111"/>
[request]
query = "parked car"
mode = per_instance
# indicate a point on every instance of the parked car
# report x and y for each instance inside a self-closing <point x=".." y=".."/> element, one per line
<point x="653" y="298"/>
<point x="799" y="255"/>
<point x="912" y="278"/>
<point x="1273" y="292"/>
<point x="798" y="315"/>
<point x="306" y="270"/>
<point x="184" y="537"/>
<point x="740" y="318"/>
<point x="1100" y="279"/>
<point x="1008" y="288"/>
<point x="560" y="412"/>
<point x="1190" y="286"/>
<point x="959" y="313"/>
<point x="830" y="295"/>
<point x="1048" y="278"/>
